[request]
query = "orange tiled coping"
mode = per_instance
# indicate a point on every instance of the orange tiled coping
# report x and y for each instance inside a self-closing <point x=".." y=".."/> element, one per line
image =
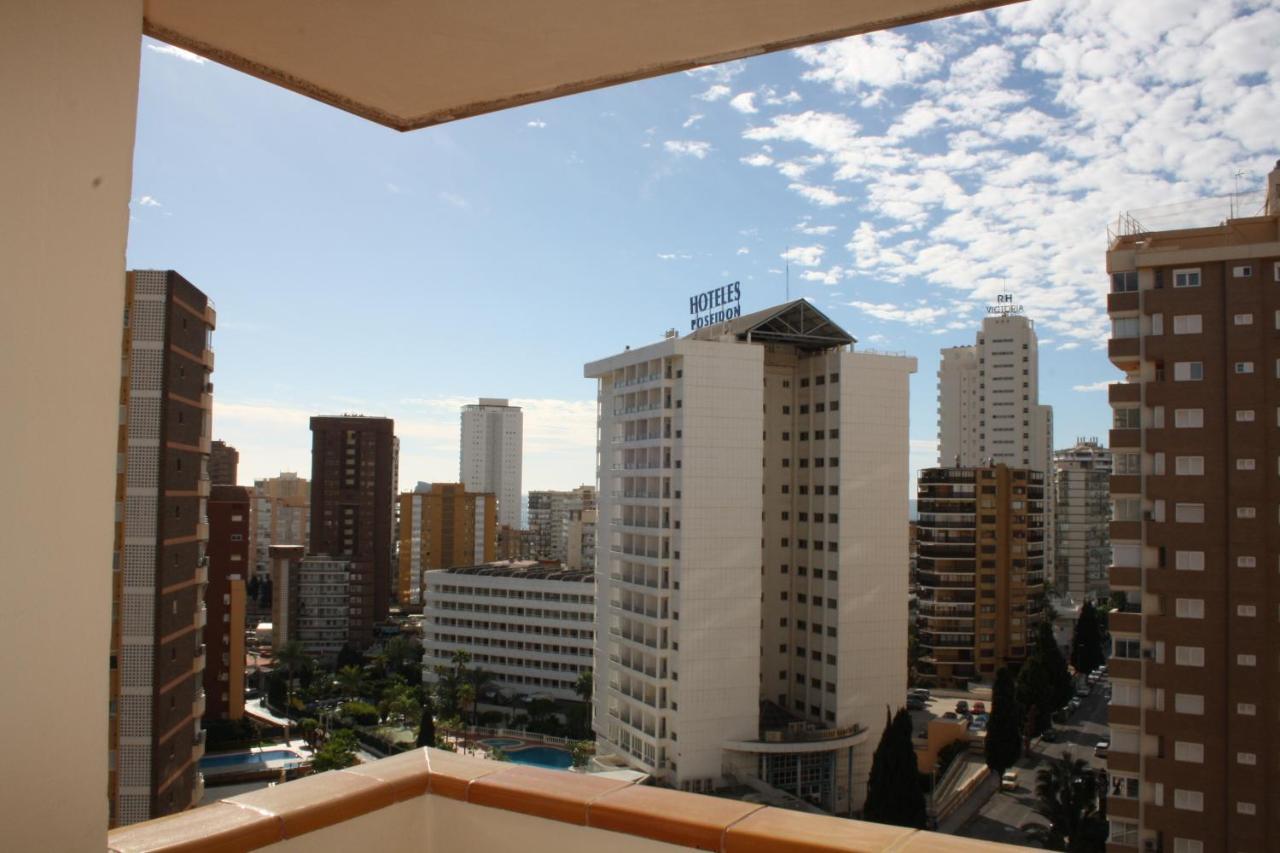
<point x="306" y="805"/>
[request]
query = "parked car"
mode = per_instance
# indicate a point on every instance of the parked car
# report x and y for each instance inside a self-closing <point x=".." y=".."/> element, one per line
<point x="1073" y="706"/>
<point x="922" y="692"/>
<point x="982" y="718"/>
<point x="1083" y="692"/>
<point x="979" y="708"/>
<point x="962" y="708"/>
<point x="1009" y="781"/>
<point x="1101" y="749"/>
<point x="1049" y="736"/>
<point x="915" y="703"/>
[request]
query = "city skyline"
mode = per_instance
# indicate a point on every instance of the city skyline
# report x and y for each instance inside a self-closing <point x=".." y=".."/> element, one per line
<point x="933" y="178"/>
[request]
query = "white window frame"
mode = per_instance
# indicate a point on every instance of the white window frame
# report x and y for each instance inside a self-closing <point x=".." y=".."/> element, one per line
<point x="1189" y="324"/>
<point x="1246" y="512"/>
<point x="1246" y="561"/>
<point x="1248" y="759"/>
<point x="1188" y="466"/>
<point x="1188" y="371"/>
<point x="1244" y="464"/>
<point x="1188" y="655"/>
<point x="1194" y="418"/>
<point x="1248" y="611"/>
<point x="1245" y="416"/>
<point x="1189" y="608"/>
<point x="1189" y="513"/>
<point x="1242" y="271"/>
<point x="1246" y="709"/>
<point x="1192" y="753"/>
<point x="1246" y="660"/>
<point x="1188" y="561"/>
<point x="1188" y="703"/>
<point x="1186" y="277"/>
<point x="1243" y="319"/>
<point x="1188" y="800"/>
<point x="1188" y="845"/>
<point x="1243" y="367"/>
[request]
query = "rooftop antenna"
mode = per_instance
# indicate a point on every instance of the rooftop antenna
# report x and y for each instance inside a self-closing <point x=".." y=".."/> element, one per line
<point x="1235" y="197"/>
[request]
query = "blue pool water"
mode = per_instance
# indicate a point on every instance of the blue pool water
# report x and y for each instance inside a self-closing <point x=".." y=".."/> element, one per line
<point x="542" y="756"/>
<point x="247" y="759"/>
<point x="502" y="742"/>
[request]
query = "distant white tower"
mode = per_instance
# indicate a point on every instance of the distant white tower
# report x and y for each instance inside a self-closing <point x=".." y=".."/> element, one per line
<point x="493" y="453"/>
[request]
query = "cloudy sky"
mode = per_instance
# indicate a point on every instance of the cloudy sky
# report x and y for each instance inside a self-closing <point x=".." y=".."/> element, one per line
<point x="905" y="178"/>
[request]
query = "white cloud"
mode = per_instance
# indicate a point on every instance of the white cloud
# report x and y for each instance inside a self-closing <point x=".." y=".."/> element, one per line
<point x="539" y="123"/>
<point x="688" y="148"/>
<point x="829" y="277"/>
<point x="715" y="92"/>
<point x="919" y="315"/>
<point x="744" y="102"/>
<point x="824" y="196"/>
<point x="805" y="256"/>
<point x="453" y="199"/>
<point x="395" y="189"/>
<point x="722" y="73"/>
<point x="773" y="99"/>
<point x="757" y="159"/>
<point x="878" y="60"/>
<point x="819" y="230"/>
<point x="674" y="256"/>
<point x="148" y="201"/>
<point x="743" y="250"/>
<point x="1092" y="386"/>
<point x="173" y="50"/>
<point x="692" y="120"/>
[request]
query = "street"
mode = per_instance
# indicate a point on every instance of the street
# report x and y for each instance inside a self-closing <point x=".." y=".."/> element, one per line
<point x="1004" y="815"/>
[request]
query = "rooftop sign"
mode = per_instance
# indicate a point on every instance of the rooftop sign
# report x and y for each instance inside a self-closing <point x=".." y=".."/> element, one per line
<point x="715" y="306"/>
<point x="1004" y="305"/>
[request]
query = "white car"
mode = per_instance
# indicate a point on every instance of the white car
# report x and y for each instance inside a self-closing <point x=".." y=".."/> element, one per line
<point x="1009" y="781"/>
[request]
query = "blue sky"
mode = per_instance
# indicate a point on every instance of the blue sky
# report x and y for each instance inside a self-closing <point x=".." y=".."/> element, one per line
<point x="907" y="176"/>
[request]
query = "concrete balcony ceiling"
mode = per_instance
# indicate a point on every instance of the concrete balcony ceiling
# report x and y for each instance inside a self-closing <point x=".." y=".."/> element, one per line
<point x="408" y="64"/>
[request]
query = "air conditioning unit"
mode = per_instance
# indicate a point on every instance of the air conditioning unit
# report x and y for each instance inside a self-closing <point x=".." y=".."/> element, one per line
<point x="1149" y="654"/>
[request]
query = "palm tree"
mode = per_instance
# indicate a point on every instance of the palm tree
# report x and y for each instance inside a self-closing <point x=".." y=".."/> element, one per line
<point x="1068" y="798"/>
<point x="293" y="657"/>
<point x="585" y="685"/>
<point x="350" y="681"/>
<point x="467" y="696"/>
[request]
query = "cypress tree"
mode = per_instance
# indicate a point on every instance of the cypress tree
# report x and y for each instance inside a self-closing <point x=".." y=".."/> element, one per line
<point x="1056" y="665"/>
<point x="894" y="794"/>
<point x="1004" y="731"/>
<point x="1086" y="642"/>
<point x="427" y="728"/>
<point x="1035" y="693"/>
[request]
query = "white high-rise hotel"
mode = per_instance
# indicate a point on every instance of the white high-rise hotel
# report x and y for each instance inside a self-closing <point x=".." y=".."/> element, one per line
<point x="989" y="404"/>
<point x="493" y="453"/>
<point x="751" y="592"/>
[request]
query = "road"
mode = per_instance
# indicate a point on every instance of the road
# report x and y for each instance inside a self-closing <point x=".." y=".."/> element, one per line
<point x="1004" y="815"/>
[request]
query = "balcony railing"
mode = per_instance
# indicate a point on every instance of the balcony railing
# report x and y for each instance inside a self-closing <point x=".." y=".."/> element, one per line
<point x="428" y="799"/>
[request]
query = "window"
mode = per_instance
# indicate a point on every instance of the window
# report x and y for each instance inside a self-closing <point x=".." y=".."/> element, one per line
<point x="1186" y="845"/>
<point x="1187" y="324"/>
<point x="1246" y="808"/>
<point x="1125" y="695"/>
<point x="1192" y="418"/>
<point x="1246" y="610"/>
<point x="1186" y="278"/>
<point x="1127" y="649"/>
<point x="1243" y="271"/>
<point x="1124" y="832"/>
<point x="1124" y="327"/>
<point x="1189" y="513"/>
<point x="1130" y="418"/>
<point x="1248" y="562"/>
<point x="1244" y="367"/>
<point x="1127" y="463"/>
<point x="1190" y="608"/>
<point x="1191" y="801"/>
<point x="1243" y="319"/>
<point x="1244" y="416"/>
<point x="1189" y="655"/>
<point x="1246" y="709"/>
<point x="1246" y="660"/>
<point x="1126" y="509"/>
<point x="1190" y="752"/>
<point x="1246" y="512"/>
<point x="1188" y="371"/>
<point x="1189" y="466"/>
<point x="1127" y="282"/>
<point x="1188" y="703"/>
<point x="1125" y="787"/>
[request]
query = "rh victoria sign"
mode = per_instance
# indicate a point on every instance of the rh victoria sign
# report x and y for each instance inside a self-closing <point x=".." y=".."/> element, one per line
<point x="1004" y="305"/>
<point x="715" y="306"/>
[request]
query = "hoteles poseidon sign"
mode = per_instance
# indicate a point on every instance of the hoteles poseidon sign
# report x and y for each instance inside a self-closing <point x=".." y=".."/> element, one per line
<point x="715" y="306"/>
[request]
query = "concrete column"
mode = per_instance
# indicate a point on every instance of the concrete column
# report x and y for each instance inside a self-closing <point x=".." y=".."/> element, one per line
<point x="68" y="97"/>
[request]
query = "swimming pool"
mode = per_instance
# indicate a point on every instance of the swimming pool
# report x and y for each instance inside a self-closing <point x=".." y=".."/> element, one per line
<point x="542" y="756"/>
<point x="248" y="759"/>
<point x="502" y="742"/>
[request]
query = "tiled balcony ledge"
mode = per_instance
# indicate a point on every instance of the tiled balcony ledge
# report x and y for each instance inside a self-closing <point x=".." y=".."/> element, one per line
<point x="439" y="802"/>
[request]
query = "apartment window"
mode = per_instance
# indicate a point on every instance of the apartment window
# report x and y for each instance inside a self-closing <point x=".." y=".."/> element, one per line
<point x="1128" y="649"/>
<point x="1188" y="371"/>
<point x="1126" y="509"/>
<point x="1189" y="513"/>
<point x="1276" y="273"/>
<point x="1189" y="655"/>
<point x="1124" y="327"/>
<point x="1128" y="463"/>
<point x="1243" y="319"/>
<point x="1187" y="324"/>
<point x="1247" y="758"/>
<point x="1190" y="752"/>
<point x="1246" y="562"/>
<point x="1245" y="808"/>
<point x="1244" y="367"/>
<point x="1194" y="418"/>
<point x="1186" y="845"/>
<point x="1243" y="271"/>
<point x="1186" y="278"/>
<point x="1189" y="466"/>
<point x="1124" y="787"/>
<point x="1246" y="610"/>
<point x="1246" y="512"/>
<point x="1246" y="709"/>
<point x="1190" y="608"/>
<point x="1244" y="416"/>
<point x="1246" y="660"/>
<point x="1125" y="694"/>
<point x="1124" y="832"/>
<point x="1127" y="282"/>
<point x="1245" y="464"/>
<point x="1128" y="418"/>
<point x="1188" y="703"/>
<point x="1191" y="801"/>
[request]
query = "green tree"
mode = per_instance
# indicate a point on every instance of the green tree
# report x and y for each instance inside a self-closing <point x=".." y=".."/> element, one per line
<point x="582" y="751"/>
<point x="894" y="794"/>
<point x="1004" y="731"/>
<point x="1034" y="691"/>
<point x="449" y="679"/>
<point x="584" y="685"/>
<point x="337" y="752"/>
<point x="1055" y="664"/>
<point x="350" y="681"/>
<point x="1068" y="798"/>
<point x="466" y="698"/>
<point x="427" y="726"/>
<point x="309" y="728"/>
<point x="1086" y="641"/>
